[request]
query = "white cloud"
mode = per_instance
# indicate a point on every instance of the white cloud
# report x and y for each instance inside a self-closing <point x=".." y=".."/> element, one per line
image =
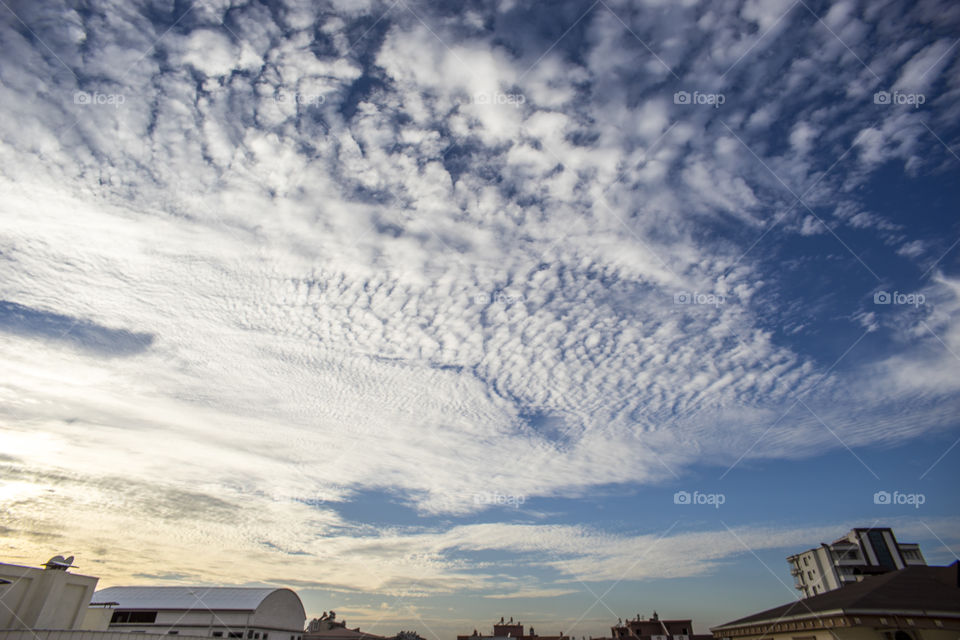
<point x="346" y="293"/>
<point x="802" y="136"/>
<point x="212" y="53"/>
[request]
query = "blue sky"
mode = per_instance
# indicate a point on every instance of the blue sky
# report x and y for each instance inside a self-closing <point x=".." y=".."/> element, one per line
<point x="434" y="311"/>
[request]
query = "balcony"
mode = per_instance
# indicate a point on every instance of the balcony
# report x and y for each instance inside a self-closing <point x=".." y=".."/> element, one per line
<point x="848" y="562"/>
<point x="846" y="557"/>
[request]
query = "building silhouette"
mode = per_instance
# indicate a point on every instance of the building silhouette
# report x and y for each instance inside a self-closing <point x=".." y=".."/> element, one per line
<point x="513" y="630"/>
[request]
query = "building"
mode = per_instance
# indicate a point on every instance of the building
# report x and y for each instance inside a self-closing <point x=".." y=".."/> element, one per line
<point x="47" y="598"/>
<point x="914" y="603"/>
<point x="655" y="628"/>
<point x="327" y="627"/>
<point x="861" y="553"/>
<point x="217" y="612"/>
<point x="54" y="604"/>
<point x="513" y="630"/>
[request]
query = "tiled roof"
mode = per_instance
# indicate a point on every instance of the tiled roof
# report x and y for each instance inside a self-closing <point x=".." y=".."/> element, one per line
<point x="916" y="588"/>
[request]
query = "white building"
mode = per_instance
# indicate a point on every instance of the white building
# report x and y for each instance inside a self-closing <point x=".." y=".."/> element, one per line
<point x="48" y="598"/>
<point x="861" y="553"/>
<point x="218" y="612"/>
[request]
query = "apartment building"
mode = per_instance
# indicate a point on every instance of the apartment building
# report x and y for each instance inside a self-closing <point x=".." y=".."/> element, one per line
<point x="862" y="552"/>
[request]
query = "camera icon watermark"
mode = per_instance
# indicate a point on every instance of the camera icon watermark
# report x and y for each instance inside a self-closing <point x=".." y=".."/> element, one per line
<point x="898" y="498"/>
<point x="699" y="98"/>
<point x="698" y="498"/>
<point x="99" y="99"/>
<point x="885" y="297"/>
<point x="688" y="298"/>
<point x="499" y="499"/>
<point x="899" y="98"/>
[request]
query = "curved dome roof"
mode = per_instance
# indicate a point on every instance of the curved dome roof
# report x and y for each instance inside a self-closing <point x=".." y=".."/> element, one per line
<point x="186" y="598"/>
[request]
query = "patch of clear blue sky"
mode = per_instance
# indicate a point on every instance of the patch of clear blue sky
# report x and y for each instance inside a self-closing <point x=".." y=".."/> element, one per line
<point x="814" y="286"/>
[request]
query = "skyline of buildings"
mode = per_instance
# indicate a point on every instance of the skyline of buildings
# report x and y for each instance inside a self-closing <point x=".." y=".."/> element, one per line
<point x="513" y="630"/>
<point x="656" y="628"/>
<point x="893" y="587"/>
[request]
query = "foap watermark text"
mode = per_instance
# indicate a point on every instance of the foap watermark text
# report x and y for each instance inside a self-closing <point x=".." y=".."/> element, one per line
<point x="695" y="297"/>
<point x="899" y="498"/>
<point x="99" y="99"/>
<point x="899" y="98"/>
<point x="699" y="98"/>
<point x="301" y="99"/>
<point x="885" y="297"/>
<point x="499" y="499"/>
<point x="499" y="297"/>
<point x="698" y="498"/>
<point x="515" y="100"/>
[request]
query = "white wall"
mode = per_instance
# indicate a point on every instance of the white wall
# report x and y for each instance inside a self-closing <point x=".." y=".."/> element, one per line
<point x="44" y="598"/>
<point x="282" y="609"/>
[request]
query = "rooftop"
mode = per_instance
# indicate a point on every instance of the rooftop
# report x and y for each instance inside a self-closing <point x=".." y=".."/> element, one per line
<point x="915" y="589"/>
<point x="185" y="598"/>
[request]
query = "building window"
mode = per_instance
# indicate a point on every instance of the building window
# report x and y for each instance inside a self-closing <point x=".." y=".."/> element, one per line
<point x="173" y="633"/>
<point x="235" y="634"/>
<point x="250" y="634"/>
<point x="133" y="617"/>
<point x="218" y="634"/>
<point x="884" y="558"/>
<point x="256" y="636"/>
